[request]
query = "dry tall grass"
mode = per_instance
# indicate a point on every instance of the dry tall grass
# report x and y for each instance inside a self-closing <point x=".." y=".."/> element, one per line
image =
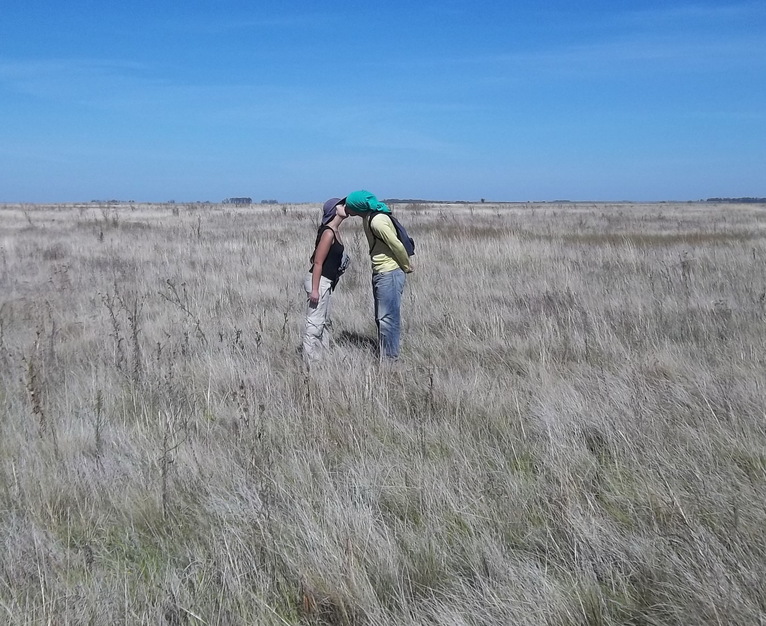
<point x="575" y="435"/>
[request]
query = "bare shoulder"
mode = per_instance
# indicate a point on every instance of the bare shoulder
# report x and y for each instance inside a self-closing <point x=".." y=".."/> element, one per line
<point x="328" y="234"/>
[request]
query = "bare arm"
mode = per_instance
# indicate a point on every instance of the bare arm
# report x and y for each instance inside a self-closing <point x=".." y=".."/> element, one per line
<point x="323" y="248"/>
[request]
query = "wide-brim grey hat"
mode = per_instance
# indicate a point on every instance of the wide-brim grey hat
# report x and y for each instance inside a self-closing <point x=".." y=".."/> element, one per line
<point x="329" y="209"/>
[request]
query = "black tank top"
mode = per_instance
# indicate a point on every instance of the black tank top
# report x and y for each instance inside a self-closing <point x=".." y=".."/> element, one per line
<point x="334" y="255"/>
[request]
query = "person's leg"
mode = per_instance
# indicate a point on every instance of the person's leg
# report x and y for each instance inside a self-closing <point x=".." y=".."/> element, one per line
<point x="387" y="289"/>
<point x="327" y="334"/>
<point x="316" y="318"/>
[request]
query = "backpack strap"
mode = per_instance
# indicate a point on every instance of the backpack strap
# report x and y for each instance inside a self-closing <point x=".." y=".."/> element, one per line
<point x="369" y="225"/>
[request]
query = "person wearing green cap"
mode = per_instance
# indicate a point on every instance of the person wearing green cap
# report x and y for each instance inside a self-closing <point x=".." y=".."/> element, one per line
<point x="390" y="263"/>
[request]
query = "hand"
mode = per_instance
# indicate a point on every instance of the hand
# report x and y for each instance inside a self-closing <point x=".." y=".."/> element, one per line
<point x="412" y="269"/>
<point x="314" y="298"/>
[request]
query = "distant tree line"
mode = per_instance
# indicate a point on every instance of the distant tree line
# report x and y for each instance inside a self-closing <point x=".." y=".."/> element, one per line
<point x="238" y="201"/>
<point x="739" y="200"/>
<point x="422" y="201"/>
<point x="245" y="200"/>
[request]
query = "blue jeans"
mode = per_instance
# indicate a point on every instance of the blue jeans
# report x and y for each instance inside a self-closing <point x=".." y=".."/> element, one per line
<point x="387" y="289"/>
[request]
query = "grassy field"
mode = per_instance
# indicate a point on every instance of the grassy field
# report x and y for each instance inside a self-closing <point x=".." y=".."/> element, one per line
<point x="576" y="433"/>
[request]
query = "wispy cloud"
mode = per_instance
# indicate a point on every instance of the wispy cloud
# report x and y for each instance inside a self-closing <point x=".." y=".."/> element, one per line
<point x="13" y="69"/>
<point x="672" y="14"/>
<point x="662" y="42"/>
<point x="67" y="78"/>
<point x="653" y="52"/>
<point x="134" y="91"/>
<point x="228" y="25"/>
<point x="671" y="17"/>
<point x="686" y="35"/>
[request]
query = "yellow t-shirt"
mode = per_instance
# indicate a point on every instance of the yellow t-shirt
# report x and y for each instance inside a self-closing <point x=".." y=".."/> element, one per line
<point x="386" y="251"/>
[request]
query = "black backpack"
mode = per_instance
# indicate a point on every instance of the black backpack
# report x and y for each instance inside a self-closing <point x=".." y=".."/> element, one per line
<point x="401" y="232"/>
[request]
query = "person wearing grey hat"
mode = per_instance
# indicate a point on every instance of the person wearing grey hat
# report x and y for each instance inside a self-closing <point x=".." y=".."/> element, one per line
<point x="328" y="262"/>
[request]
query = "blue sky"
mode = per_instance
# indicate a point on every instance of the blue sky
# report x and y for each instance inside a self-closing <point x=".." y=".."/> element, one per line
<point x="450" y="100"/>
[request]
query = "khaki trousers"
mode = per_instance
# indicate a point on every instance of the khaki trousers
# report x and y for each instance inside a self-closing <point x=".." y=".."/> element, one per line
<point x="318" y="330"/>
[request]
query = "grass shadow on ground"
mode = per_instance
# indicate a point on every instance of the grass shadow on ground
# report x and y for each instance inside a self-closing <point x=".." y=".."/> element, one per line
<point x="357" y="340"/>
